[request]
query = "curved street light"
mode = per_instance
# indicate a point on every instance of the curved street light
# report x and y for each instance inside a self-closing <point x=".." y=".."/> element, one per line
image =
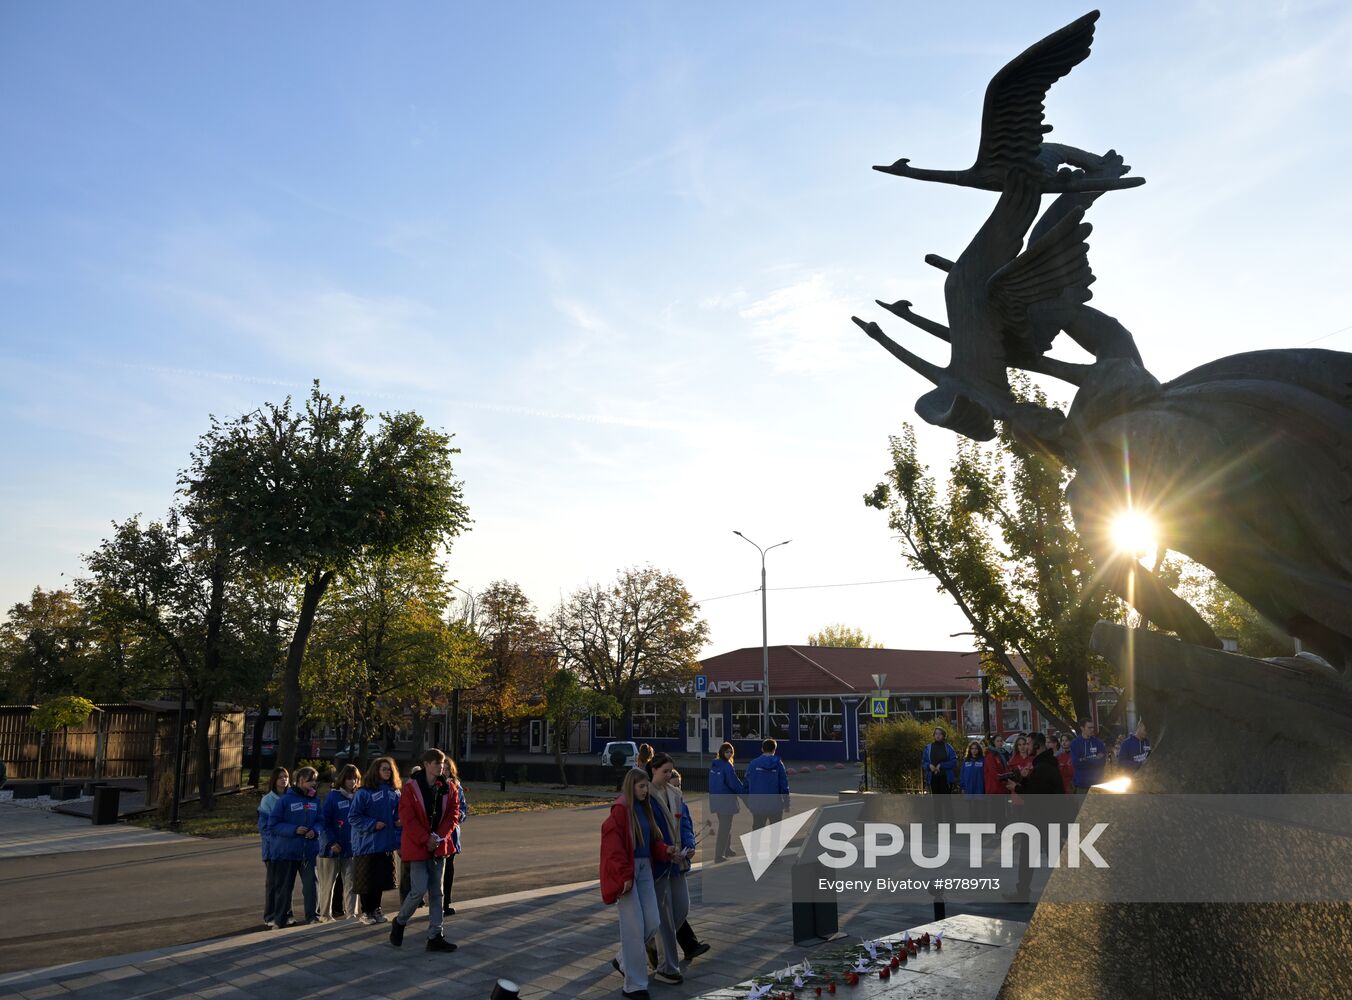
<point x="765" y="635"/>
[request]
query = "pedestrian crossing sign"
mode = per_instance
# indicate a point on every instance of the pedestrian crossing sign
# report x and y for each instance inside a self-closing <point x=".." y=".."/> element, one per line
<point x="878" y="707"/>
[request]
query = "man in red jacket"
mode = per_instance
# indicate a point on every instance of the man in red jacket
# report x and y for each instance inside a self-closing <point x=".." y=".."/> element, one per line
<point x="428" y="813"/>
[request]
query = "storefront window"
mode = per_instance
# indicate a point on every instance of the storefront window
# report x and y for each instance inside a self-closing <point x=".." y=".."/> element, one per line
<point x="820" y="719"/>
<point x="654" y="720"/>
<point x="746" y="718"/>
<point x="779" y="718"/>
<point x="606" y="728"/>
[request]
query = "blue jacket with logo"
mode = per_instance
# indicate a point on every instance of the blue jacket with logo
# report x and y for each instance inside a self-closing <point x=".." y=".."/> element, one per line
<point x="767" y="784"/>
<point x="725" y="787"/>
<point x="334" y="825"/>
<point x="371" y="807"/>
<point x="1087" y="758"/>
<point x="1131" y="749"/>
<point x="973" y="777"/>
<point x="294" y="810"/>
<point x="264" y="817"/>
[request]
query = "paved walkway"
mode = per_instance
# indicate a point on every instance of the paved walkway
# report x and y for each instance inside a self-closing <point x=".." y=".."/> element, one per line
<point x="555" y="943"/>
<point x="26" y="832"/>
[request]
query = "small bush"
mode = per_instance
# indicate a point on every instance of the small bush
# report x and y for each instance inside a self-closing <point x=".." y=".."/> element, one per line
<point x="894" y="749"/>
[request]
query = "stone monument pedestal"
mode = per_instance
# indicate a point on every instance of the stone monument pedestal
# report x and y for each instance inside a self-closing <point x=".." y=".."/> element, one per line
<point x="1221" y="724"/>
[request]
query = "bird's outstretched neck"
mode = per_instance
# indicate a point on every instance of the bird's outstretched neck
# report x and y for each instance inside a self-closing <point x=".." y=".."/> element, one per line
<point x="903" y="168"/>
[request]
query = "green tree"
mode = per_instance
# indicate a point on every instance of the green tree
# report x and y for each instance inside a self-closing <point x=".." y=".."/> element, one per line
<point x="568" y="702"/>
<point x="1000" y="542"/>
<point x="43" y="643"/>
<point x="516" y="655"/>
<point x="61" y="713"/>
<point x="846" y="636"/>
<point x="307" y="492"/>
<point x="643" y="630"/>
<point x="1228" y="614"/>
<point x="149" y="579"/>
<point x="382" y="646"/>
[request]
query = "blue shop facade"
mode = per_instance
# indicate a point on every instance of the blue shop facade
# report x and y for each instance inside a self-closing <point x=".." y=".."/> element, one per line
<point x="821" y="701"/>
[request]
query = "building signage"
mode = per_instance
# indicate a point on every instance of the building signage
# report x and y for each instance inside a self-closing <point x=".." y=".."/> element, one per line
<point x="711" y="688"/>
<point x="701" y="685"/>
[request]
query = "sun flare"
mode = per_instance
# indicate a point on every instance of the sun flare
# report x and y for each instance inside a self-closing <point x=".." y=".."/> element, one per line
<point x="1134" y="534"/>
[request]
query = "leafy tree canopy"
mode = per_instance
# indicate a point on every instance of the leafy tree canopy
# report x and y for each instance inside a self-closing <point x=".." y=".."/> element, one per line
<point x="643" y="630"/>
<point x="999" y="540"/>
<point x="846" y="636"/>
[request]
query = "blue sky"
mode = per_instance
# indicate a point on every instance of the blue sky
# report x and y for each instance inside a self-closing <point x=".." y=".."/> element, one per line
<point x="613" y="248"/>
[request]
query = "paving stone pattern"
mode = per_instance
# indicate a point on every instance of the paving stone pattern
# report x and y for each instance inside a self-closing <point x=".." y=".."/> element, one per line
<point x="555" y="946"/>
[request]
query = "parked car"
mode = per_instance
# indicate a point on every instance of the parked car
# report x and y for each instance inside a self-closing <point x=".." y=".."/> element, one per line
<point x="628" y="747"/>
<point x="350" y="753"/>
<point x="267" y="756"/>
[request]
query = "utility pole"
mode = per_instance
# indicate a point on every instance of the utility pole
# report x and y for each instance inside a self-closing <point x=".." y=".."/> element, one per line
<point x="765" y="635"/>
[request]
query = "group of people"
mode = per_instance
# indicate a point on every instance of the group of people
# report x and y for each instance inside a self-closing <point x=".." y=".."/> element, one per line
<point x="350" y="838"/>
<point x="992" y="768"/>
<point x="647" y="844"/>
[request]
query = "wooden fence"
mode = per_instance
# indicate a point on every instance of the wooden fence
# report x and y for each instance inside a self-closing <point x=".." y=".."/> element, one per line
<point x="134" y="740"/>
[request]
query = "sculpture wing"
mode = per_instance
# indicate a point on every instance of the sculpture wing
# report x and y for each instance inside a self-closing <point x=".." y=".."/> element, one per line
<point x="1054" y="267"/>
<point x="1011" y="122"/>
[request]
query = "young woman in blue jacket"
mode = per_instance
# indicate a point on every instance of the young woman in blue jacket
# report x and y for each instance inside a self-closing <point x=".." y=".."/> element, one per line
<point x="374" y="816"/>
<point x="277" y="785"/>
<point x="972" y="776"/>
<point x="335" y="843"/>
<point x="294" y="827"/>
<point x="724" y="790"/>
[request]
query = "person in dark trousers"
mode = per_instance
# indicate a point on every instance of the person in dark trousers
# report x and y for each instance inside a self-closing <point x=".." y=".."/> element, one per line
<point x="448" y="880"/>
<point x="1088" y="756"/>
<point x="725" y="788"/>
<point x="939" y="763"/>
<point x="427" y="814"/>
<point x="375" y="836"/>
<point x="277" y="786"/>
<point x="1044" y="778"/>
<point x="691" y="946"/>
<point x="1134" y="750"/>
<point x="767" y="785"/>
<point x="294" y="829"/>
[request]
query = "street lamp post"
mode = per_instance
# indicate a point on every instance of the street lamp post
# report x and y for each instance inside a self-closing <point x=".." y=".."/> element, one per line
<point x="765" y="635"/>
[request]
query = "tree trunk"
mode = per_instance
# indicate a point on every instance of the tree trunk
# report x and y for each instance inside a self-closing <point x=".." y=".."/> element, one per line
<point x="502" y="751"/>
<point x="1077" y="680"/>
<point x="419" y="733"/>
<point x="206" y="781"/>
<point x="256" y="747"/>
<point x="558" y="750"/>
<point x="315" y="586"/>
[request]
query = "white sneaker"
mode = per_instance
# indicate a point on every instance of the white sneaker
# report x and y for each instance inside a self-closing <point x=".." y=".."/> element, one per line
<point x="366" y="918"/>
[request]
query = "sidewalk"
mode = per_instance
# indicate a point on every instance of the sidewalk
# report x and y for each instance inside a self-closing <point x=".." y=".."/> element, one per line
<point x="29" y="832"/>
<point x="555" y="943"/>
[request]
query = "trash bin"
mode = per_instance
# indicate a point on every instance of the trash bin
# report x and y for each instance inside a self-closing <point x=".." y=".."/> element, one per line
<point x="104" y="812"/>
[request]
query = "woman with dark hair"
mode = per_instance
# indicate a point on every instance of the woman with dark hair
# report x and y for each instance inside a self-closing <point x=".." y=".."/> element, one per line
<point x="630" y="844"/>
<point x="374" y="816"/>
<point x="277" y="785"/>
<point x="724" y="790"/>
<point x="335" y="843"/>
